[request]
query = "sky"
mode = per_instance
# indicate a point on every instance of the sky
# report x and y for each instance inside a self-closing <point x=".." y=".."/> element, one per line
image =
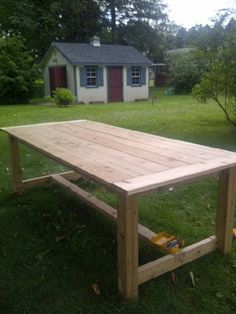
<point x="191" y="12"/>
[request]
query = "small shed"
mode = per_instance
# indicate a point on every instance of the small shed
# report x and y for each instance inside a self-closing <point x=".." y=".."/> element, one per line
<point x="95" y="72"/>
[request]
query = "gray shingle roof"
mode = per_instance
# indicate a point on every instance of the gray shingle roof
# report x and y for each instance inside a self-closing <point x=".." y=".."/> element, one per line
<point x="106" y="54"/>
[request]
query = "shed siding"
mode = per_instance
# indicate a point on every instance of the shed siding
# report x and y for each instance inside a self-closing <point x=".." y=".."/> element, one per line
<point x="92" y="94"/>
<point x="57" y="59"/>
<point x="138" y="92"/>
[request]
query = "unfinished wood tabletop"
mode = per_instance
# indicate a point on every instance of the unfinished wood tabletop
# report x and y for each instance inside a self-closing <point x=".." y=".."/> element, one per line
<point x="126" y="161"/>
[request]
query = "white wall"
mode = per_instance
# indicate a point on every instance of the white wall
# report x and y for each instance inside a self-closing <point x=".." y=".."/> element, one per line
<point x="91" y="94"/>
<point x="132" y="93"/>
<point x="55" y="59"/>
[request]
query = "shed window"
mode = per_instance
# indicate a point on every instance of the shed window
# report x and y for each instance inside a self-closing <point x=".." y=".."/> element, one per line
<point x="135" y="76"/>
<point x="91" y="77"/>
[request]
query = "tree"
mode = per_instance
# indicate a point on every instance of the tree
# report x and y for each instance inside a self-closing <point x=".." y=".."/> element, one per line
<point x="218" y="83"/>
<point x="42" y="21"/>
<point x="196" y="34"/>
<point x="17" y="71"/>
<point x="143" y="37"/>
<point x="180" y="38"/>
<point x="121" y="12"/>
<point x="32" y="20"/>
<point x="184" y="69"/>
<point x="78" y="19"/>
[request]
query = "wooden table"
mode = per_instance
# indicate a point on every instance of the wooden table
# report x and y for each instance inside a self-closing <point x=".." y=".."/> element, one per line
<point x="130" y="163"/>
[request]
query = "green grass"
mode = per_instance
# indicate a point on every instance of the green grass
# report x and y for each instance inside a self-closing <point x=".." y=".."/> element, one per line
<point x="39" y="274"/>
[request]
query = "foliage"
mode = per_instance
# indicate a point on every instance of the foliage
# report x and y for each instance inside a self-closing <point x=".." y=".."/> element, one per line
<point x="39" y="89"/>
<point x="219" y="82"/>
<point x="123" y="22"/>
<point x="184" y="70"/>
<point x="178" y="37"/>
<point x="141" y="23"/>
<point x="18" y="73"/>
<point x="145" y="38"/>
<point x="41" y="22"/>
<point x="63" y="97"/>
<point x="78" y="20"/>
<point x="120" y="13"/>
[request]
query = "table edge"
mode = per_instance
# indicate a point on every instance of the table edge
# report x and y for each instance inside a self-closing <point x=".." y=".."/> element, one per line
<point x="5" y="129"/>
<point x="134" y="186"/>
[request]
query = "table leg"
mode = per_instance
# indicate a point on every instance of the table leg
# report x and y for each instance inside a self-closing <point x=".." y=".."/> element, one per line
<point x="225" y="211"/>
<point x="127" y="242"/>
<point x="15" y="164"/>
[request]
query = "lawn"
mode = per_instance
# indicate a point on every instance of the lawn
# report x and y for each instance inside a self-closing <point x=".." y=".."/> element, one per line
<point x="53" y="248"/>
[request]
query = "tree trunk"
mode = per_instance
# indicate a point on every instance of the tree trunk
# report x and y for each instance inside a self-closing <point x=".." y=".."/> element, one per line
<point x="113" y="21"/>
<point x="227" y="116"/>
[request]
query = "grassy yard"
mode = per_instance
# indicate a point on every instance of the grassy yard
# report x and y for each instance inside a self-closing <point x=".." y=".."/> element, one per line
<point x="53" y="247"/>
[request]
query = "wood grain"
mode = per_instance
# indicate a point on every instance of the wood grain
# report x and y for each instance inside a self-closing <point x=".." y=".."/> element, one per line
<point x="15" y="164"/>
<point x="169" y="177"/>
<point x="225" y="210"/>
<point x="126" y="161"/>
<point x="127" y="243"/>
<point x="172" y="261"/>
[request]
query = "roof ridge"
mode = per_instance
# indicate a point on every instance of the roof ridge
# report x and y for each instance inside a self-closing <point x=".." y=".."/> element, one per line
<point x="112" y="54"/>
<point x="72" y="43"/>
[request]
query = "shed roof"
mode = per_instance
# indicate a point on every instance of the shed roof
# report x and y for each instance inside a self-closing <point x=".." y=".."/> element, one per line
<point x="77" y="53"/>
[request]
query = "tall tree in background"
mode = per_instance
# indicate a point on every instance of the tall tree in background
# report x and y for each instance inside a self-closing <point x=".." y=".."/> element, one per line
<point x="122" y="12"/>
<point x="78" y="19"/>
<point x="145" y="38"/>
<point x="42" y="21"/>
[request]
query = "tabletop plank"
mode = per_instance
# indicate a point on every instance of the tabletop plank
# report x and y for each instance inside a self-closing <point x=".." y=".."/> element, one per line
<point x="78" y="162"/>
<point x="142" y="137"/>
<point x="122" y="145"/>
<point x="181" y="174"/>
<point x="124" y="160"/>
<point x="65" y="138"/>
<point x="165" y="153"/>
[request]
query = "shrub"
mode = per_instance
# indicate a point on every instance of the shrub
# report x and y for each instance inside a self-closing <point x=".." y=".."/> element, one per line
<point x="184" y="71"/>
<point x="18" y="72"/>
<point x="63" y="97"/>
<point x="39" y="91"/>
<point x="48" y="99"/>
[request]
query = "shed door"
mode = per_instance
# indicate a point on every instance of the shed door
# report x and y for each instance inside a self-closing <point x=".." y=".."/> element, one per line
<point x="115" y="84"/>
<point x="57" y="76"/>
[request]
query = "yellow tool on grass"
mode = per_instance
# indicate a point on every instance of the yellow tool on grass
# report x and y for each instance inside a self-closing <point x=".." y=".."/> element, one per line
<point x="167" y="243"/>
<point x="234" y="233"/>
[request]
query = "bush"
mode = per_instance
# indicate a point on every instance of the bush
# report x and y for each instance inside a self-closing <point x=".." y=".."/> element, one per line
<point x="18" y="73"/>
<point x="39" y="91"/>
<point x="63" y="97"/>
<point x="184" y="71"/>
